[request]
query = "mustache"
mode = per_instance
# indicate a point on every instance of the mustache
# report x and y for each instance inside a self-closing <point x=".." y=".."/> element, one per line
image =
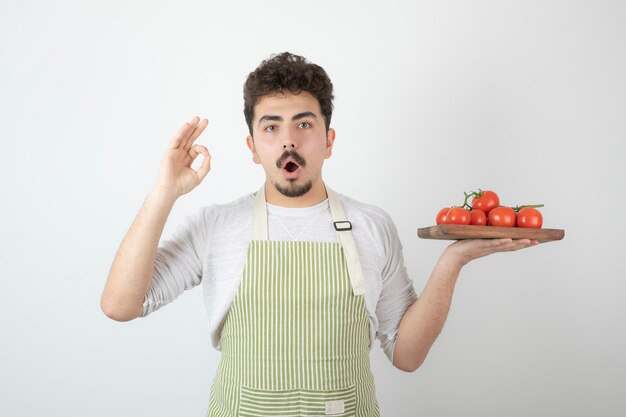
<point x="294" y="155"/>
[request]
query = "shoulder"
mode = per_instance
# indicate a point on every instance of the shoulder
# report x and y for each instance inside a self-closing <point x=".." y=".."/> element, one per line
<point x="369" y="222"/>
<point x="214" y="220"/>
<point x="365" y="212"/>
<point x="232" y="216"/>
<point x="236" y="208"/>
<point x="376" y="238"/>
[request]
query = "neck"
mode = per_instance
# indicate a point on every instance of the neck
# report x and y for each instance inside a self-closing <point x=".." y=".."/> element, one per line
<point x="314" y="196"/>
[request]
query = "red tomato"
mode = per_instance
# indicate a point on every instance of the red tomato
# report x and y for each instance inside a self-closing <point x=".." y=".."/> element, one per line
<point x="502" y="216"/>
<point x="479" y="218"/>
<point x="488" y="201"/>
<point x="529" y="217"/>
<point x="441" y="216"/>
<point x="458" y="215"/>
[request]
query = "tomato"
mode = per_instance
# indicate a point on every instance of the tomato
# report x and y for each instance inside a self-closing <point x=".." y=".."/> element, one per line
<point x="441" y="216"/>
<point x="486" y="202"/>
<point x="458" y="215"/>
<point x="529" y="217"/>
<point x="502" y="216"/>
<point x="478" y="218"/>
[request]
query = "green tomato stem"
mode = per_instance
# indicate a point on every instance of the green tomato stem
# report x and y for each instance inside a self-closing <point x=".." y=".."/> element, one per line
<point x="518" y="208"/>
<point x="465" y="201"/>
<point x="471" y="194"/>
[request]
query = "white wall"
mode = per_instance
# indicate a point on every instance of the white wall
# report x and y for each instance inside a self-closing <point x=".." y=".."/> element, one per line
<point x="527" y="98"/>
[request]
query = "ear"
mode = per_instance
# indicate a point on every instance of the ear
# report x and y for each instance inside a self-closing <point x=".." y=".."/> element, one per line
<point x="330" y="140"/>
<point x="250" y="143"/>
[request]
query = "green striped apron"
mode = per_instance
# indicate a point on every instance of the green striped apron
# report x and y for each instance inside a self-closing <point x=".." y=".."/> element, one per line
<point x="296" y="341"/>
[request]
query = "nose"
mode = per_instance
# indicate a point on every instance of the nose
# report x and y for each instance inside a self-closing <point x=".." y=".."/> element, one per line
<point x="289" y="141"/>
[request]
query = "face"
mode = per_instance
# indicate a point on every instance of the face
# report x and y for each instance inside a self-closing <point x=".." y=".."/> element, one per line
<point x="289" y="139"/>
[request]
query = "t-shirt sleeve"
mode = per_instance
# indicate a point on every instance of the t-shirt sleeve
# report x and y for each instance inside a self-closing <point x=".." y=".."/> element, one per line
<point x="178" y="263"/>
<point x="397" y="293"/>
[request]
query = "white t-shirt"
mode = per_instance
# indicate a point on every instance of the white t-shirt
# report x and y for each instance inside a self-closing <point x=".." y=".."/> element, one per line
<point x="210" y="247"/>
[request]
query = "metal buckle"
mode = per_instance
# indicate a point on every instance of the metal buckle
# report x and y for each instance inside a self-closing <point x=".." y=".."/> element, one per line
<point x="343" y="226"/>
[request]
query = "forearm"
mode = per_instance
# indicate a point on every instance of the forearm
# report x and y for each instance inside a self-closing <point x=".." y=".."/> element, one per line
<point x="423" y="321"/>
<point x="131" y="272"/>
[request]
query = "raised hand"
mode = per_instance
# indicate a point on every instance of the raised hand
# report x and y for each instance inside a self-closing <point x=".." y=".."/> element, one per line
<point x="175" y="174"/>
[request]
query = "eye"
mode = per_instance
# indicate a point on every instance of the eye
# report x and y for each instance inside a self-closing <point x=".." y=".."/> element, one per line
<point x="270" y="128"/>
<point x="304" y="125"/>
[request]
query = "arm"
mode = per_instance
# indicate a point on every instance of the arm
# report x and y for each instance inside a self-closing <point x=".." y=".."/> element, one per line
<point x="131" y="273"/>
<point x="423" y="321"/>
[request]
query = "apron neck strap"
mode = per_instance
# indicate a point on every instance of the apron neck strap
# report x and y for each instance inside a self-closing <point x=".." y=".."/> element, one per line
<point x="342" y="226"/>
<point x="260" y="215"/>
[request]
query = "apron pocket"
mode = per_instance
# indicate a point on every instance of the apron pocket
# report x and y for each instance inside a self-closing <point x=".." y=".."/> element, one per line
<point x="297" y="402"/>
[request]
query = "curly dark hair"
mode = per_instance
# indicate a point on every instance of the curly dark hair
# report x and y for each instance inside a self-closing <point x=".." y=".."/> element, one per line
<point x="287" y="72"/>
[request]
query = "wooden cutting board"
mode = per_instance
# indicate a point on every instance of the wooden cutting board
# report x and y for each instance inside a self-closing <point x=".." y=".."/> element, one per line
<point x="460" y="231"/>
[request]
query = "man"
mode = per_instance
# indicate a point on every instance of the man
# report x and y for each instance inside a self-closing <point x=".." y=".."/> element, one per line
<point x="298" y="280"/>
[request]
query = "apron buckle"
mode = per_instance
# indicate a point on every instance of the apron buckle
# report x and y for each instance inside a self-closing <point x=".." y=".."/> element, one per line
<point x="342" y="226"/>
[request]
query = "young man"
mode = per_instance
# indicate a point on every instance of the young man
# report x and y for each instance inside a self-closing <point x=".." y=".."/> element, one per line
<point x="298" y="280"/>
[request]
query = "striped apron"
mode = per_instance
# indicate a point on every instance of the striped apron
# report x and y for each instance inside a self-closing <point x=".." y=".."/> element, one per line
<point x="296" y="341"/>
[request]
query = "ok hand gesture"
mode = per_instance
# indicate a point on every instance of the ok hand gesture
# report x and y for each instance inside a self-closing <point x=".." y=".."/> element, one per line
<point x="175" y="174"/>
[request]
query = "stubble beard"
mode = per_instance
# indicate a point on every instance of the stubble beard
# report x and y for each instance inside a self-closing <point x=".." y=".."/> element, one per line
<point x="294" y="190"/>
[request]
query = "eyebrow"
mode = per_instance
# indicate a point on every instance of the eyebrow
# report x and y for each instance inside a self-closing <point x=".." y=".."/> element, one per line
<point x="271" y="117"/>
<point x="303" y="115"/>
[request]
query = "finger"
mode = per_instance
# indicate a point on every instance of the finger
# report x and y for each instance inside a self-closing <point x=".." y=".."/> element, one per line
<point x="503" y="245"/>
<point x="498" y="243"/>
<point x="517" y="244"/>
<point x="204" y="169"/>
<point x="199" y="128"/>
<point x="192" y="126"/>
<point x="183" y="133"/>
<point x="197" y="150"/>
<point x="176" y="141"/>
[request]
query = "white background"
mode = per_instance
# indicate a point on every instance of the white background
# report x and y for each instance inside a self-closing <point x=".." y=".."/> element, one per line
<point x="526" y="98"/>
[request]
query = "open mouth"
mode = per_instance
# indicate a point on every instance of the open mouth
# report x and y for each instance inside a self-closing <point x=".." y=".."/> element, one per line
<point x="291" y="166"/>
<point x="290" y="163"/>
